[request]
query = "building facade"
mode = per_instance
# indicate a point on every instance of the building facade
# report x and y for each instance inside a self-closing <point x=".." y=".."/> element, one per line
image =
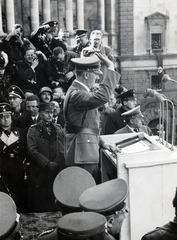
<point x="142" y="34"/>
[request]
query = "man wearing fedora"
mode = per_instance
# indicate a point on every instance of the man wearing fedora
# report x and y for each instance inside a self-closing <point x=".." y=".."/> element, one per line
<point x="45" y="147"/>
<point x="82" y="141"/>
<point x="12" y="155"/>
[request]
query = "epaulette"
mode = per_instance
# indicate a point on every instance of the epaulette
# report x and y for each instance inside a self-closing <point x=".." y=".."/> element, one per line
<point x="46" y="232"/>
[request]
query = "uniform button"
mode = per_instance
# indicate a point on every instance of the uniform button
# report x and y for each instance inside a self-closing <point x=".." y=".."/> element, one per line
<point x="88" y="140"/>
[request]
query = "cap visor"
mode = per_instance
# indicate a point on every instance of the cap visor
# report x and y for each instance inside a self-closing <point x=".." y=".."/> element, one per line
<point x="98" y="72"/>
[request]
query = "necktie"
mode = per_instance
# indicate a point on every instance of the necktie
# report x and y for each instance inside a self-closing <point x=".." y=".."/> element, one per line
<point x="34" y="120"/>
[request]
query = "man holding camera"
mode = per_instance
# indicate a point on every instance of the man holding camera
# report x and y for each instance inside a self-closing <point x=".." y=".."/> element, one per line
<point x="96" y="46"/>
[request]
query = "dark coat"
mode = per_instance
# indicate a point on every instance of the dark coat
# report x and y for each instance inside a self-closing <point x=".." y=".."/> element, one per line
<point x="167" y="232"/>
<point x="43" y="149"/>
<point x="114" y="121"/>
<point x="81" y="110"/>
<point x="12" y="156"/>
<point x="24" y="121"/>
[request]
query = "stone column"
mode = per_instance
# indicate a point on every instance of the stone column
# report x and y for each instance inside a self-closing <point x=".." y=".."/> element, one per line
<point x="46" y="11"/>
<point x="114" y="28"/>
<point x="69" y="14"/>
<point x="10" y="15"/>
<point x="80" y="14"/>
<point x="1" y="29"/>
<point x="101" y="15"/>
<point x="34" y="15"/>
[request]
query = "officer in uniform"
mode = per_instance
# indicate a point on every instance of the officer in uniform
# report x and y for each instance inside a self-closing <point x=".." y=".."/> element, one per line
<point x="12" y="155"/>
<point x="108" y="199"/>
<point x="45" y="147"/>
<point x="168" y="231"/>
<point x="82" y="39"/>
<point x="9" y="219"/>
<point x="134" y="122"/>
<point x="115" y="120"/>
<point x="81" y="114"/>
<point x="16" y="97"/>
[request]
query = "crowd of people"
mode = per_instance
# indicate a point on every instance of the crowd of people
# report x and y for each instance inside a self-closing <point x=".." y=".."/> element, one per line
<point x="56" y="101"/>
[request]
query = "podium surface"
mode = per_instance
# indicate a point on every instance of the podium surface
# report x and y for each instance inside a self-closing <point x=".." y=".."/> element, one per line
<point x="150" y="171"/>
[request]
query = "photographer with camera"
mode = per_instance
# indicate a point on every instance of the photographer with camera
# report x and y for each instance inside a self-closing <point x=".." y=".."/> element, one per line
<point x="62" y="68"/>
<point x="33" y="72"/>
<point x="45" y="40"/>
<point x="96" y="46"/>
<point x="14" y="45"/>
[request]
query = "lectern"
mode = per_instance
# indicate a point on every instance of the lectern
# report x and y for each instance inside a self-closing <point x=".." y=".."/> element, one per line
<point x="150" y="170"/>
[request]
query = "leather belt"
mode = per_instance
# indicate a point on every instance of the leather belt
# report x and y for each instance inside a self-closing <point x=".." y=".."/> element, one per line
<point x="75" y="129"/>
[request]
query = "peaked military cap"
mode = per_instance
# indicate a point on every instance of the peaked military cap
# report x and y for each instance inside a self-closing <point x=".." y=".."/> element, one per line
<point x="46" y="106"/>
<point x="105" y="198"/>
<point x="82" y="225"/>
<point x="87" y="64"/>
<point x="71" y="182"/>
<point x="8" y="215"/>
<point x="5" y="108"/>
<point x="132" y="113"/>
<point x="15" y="91"/>
<point x="80" y="33"/>
<point x="51" y="23"/>
<point x="128" y="94"/>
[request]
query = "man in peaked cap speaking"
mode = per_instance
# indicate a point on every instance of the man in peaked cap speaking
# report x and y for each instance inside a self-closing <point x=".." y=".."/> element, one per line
<point x="115" y="120"/>
<point x="168" y="231"/>
<point x="108" y="199"/>
<point x="134" y="122"/>
<point x="82" y="141"/>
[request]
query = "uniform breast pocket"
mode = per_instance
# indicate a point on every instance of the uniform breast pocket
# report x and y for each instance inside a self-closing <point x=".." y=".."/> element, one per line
<point x="87" y="149"/>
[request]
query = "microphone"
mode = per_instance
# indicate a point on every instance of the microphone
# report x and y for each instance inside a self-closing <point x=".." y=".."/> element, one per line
<point x="130" y="141"/>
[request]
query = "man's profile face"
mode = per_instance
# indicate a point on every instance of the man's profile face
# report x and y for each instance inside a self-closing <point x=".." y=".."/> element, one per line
<point x="45" y="97"/>
<point x="5" y="120"/>
<point x="46" y="115"/>
<point x="83" y="40"/>
<point x="116" y="221"/>
<point x="130" y="103"/>
<point x="137" y="121"/>
<point x="14" y="101"/>
<point x="31" y="107"/>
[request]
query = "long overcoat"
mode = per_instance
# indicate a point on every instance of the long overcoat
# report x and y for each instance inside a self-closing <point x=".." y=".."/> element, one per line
<point x="12" y="155"/>
<point x="43" y="149"/>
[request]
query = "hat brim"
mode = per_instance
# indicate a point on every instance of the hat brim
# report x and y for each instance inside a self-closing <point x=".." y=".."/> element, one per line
<point x="99" y="72"/>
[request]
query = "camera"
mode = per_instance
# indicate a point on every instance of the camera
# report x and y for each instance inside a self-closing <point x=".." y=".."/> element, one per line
<point x="88" y="53"/>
